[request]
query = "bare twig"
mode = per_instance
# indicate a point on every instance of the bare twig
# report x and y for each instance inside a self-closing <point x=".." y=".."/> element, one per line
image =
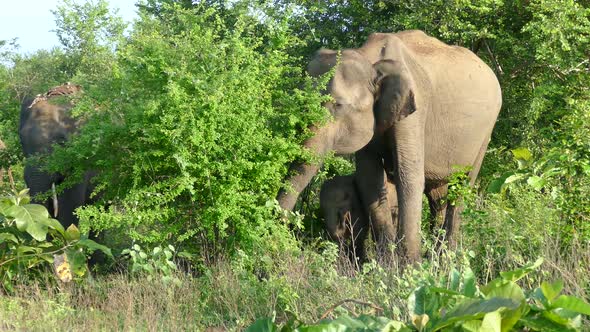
<point x="494" y="60"/>
<point x="368" y="304"/>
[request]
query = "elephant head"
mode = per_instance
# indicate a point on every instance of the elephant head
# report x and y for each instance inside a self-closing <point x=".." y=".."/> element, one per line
<point x="366" y="96"/>
<point x="412" y="105"/>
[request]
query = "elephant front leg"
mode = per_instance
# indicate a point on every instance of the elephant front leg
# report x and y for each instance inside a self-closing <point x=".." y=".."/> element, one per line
<point x="408" y="148"/>
<point x="370" y="180"/>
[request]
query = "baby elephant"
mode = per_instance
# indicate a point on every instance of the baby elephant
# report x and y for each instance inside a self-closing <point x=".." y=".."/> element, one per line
<point x="347" y="223"/>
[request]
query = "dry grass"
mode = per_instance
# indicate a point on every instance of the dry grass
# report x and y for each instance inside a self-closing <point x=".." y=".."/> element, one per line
<point x="231" y="294"/>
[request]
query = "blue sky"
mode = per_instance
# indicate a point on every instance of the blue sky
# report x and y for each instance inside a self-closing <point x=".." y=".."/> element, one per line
<point x="31" y="21"/>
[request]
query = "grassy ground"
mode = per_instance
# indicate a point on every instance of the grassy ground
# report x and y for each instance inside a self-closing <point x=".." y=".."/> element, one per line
<point x="501" y="234"/>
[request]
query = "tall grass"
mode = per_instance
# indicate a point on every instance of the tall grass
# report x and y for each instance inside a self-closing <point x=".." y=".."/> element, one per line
<point x="503" y="233"/>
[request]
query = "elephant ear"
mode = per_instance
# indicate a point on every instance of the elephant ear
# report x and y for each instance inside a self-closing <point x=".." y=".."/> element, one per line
<point x="394" y="90"/>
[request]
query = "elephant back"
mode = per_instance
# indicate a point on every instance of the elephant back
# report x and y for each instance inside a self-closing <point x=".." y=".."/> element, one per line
<point x="45" y="120"/>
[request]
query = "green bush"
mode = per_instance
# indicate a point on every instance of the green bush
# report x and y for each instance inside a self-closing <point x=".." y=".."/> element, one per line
<point x="194" y="130"/>
<point x="25" y="249"/>
<point x="458" y="303"/>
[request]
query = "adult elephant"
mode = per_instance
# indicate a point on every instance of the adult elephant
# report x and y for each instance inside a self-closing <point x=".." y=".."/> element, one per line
<point x="45" y="121"/>
<point x="410" y="104"/>
<point x="345" y="218"/>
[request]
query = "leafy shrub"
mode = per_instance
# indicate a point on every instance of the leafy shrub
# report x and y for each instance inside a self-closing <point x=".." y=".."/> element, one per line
<point x="25" y="249"/>
<point x="193" y="132"/>
<point x="458" y="303"/>
<point x="157" y="262"/>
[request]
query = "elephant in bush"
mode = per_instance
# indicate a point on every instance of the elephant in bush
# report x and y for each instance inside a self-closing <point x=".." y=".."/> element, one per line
<point x="345" y="219"/>
<point x="45" y="121"/>
<point x="413" y="105"/>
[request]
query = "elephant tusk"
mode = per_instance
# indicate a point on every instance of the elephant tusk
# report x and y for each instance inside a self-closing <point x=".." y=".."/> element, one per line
<point x="55" y="203"/>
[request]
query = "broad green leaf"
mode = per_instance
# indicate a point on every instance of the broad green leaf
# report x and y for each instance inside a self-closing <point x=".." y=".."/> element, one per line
<point x="543" y="324"/>
<point x="72" y="233"/>
<point x="523" y="156"/>
<point x="470" y="309"/>
<point x="37" y="212"/>
<point x="21" y="250"/>
<point x="444" y="291"/>
<point x="8" y="237"/>
<point x="507" y="289"/>
<point x="515" y="177"/>
<point x="551" y="290"/>
<point x="263" y="325"/>
<point x="492" y="322"/>
<point x="558" y="319"/>
<point x="469" y="287"/>
<point x="395" y="326"/>
<point x="53" y="224"/>
<point x="536" y="182"/>
<point x="455" y="280"/>
<point x="423" y="301"/>
<point x="37" y="230"/>
<point x="573" y="304"/>
<point x="92" y="245"/>
<point x="325" y="327"/>
<point x="519" y="273"/>
<point x="471" y="326"/>
<point x="574" y="318"/>
<point x="77" y="261"/>
<point x="349" y="322"/>
<point x="21" y="217"/>
<point x="496" y="185"/>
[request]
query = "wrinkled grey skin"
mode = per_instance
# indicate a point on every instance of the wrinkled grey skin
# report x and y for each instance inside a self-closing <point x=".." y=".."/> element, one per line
<point x="410" y="104"/>
<point x="345" y="218"/>
<point x="43" y="122"/>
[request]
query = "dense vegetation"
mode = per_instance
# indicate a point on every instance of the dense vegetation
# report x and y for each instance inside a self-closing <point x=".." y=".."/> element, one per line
<point x="192" y="118"/>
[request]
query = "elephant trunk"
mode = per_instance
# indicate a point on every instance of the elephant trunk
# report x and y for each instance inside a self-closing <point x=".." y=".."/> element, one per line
<point x="302" y="172"/>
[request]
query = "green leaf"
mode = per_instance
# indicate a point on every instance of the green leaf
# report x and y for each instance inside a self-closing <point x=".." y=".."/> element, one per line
<point x="519" y="273"/>
<point x="455" y="280"/>
<point x="77" y="261"/>
<point x="20" y="215"/>
<point x="543" y="324"/>
<point x="53" y="224"/>
<point x="496" y="185"/>
<point x="8" y="237"/>
<point x="92" y="245"/>
<point x="515" y="177"/>
<point x="72" y="233"/>
<point x="471" y="326"/>
<point x="523" y="156"/>
<point x="536" y="182"/>
<point x="506" y="289"/>
<point x="423" y="301"/>
<point x="572" y="303"/>
<point x="325" y="327"/>
<point x="492" y="322"/>
<point x="469" y="287"/>
<point x="551" y="290"/>
<point x="37" y="230"/>
<point x="471" y="309"/>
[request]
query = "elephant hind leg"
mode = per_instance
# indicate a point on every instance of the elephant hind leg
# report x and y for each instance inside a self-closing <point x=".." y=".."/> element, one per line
<point x="453" y="214"/>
